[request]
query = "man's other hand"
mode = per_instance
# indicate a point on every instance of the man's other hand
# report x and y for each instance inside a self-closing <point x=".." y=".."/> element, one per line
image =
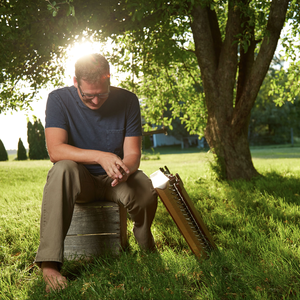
<point x="114" y="167"/>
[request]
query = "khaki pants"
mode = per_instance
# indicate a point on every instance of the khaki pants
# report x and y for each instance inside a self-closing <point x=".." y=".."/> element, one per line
<point x="69" y="182"/>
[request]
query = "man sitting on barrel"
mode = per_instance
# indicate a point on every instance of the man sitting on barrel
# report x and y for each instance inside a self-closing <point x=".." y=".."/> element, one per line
<point x="93" y="136"/>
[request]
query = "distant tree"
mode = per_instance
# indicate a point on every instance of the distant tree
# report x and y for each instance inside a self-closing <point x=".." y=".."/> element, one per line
<point x="21" y="153"/>
<point x="3" y="152"/>
<point x="146" y="142"/>
<point x="271" y="123"/>
<point x="36" y="140"/>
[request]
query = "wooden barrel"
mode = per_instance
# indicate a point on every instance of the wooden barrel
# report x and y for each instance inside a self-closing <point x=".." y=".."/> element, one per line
<point x="96" y="228"/>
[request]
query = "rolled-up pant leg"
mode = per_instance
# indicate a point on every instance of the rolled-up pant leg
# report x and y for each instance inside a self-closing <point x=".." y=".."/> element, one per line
<point x="139" y="197"/>
<point x="66" y="182"/>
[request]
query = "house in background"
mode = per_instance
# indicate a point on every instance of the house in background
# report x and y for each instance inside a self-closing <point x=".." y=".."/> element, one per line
<point x="158" y="139"/>
<point x="161" y="139"/>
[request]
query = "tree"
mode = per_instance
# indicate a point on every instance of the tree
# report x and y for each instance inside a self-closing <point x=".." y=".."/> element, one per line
<point x="21" y="153"/>
<point x="270" y="123"/>
<point x="224" y="46"/>
<point x="3" y="152"/>
<point x="234" y="43"/>
<point x="36" y="140"/>
<point x="32" y="45"/>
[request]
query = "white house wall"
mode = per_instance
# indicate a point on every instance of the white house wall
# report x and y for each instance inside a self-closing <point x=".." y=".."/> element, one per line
<point x="168" y="140"/>
<point x="164" y="140"/>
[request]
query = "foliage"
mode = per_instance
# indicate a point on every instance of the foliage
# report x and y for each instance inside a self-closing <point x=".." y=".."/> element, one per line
<point x="3" y="152"/>
<point x="271" y="123"/>
<point x="289" y="75"/>
<point x="36" y="140"/>
<point x="31" y="51"/>
<point x="31" y="38"/>
<point x="217" y="168"/>
<point x="171" y="92"/>
<point x="21" y="153"/>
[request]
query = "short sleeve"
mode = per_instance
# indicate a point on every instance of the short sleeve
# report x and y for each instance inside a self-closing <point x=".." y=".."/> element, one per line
<point x="133" y="118"/>
<point x="55" y="112"/>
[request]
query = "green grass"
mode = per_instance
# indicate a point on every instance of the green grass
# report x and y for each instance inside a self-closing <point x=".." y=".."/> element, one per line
<point x="254" y="224"/>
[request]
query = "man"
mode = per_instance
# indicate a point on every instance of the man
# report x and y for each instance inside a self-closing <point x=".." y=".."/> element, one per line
<point x="93" y="136"/>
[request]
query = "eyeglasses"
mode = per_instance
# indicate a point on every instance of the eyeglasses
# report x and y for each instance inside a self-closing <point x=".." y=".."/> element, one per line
<point x="88" y="97"/>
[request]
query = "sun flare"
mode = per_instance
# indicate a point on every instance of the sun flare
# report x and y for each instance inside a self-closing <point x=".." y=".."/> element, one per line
<point x="80" y="49"/>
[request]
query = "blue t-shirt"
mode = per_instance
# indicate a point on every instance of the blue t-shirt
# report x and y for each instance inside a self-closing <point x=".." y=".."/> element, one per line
<point x="103" y="129"/>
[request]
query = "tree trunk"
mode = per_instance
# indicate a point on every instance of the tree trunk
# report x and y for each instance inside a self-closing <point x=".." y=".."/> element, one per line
<point x="221" y="62"/>
<point x="231" y="148"/>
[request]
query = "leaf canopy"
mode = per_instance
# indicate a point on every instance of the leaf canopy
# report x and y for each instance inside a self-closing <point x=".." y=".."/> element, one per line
<point x="154" y="41"/>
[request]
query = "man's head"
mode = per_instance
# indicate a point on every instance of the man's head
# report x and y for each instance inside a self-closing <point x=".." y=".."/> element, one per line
<point x="92" y="68"/>
<point x="92" y="80"/>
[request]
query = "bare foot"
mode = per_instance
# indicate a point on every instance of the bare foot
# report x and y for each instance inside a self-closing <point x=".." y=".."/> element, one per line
<point x="52" y="277"/>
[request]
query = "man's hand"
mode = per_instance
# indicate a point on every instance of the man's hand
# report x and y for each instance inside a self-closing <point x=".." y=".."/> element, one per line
<point x="132" y="154"/>
<point x="114" y="167"/>
<point x="119" y="180"/>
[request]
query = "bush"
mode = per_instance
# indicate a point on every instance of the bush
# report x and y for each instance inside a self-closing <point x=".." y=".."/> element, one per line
<point x="146" y="142"/>
<point x="3" y="152"/>
<point x="36" y="140"/>
<point x="21" y="153"/>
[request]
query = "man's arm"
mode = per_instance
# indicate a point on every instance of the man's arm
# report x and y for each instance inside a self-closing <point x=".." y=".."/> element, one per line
<point x="58" y="149"/>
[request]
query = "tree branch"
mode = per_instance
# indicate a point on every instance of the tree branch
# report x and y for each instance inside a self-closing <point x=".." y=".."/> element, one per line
<point x="207" y="38"/>
<point x="229" y="54"/>
<point x="261" y="65"/>
<point x="246" y="55"/>
<point x="190" y="74"/>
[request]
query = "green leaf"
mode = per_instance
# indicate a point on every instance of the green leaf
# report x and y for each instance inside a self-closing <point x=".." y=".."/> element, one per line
<point x="69" y="10"/>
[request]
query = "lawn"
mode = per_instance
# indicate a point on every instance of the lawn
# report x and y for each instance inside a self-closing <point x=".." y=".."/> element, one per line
<point x="254" y="224"/>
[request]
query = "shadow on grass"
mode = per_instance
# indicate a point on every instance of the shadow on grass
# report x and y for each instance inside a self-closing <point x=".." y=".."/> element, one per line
<point x="255" y="226"/>
<point x="274" y="183"/>
<point x="272" y="196"/>
<point x="134" y="275"/>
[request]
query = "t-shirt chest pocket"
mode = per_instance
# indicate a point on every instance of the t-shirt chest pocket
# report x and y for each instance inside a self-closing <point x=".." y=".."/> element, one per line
<point x="115" y="140"/>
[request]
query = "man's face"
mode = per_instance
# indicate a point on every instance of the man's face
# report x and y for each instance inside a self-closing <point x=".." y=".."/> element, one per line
<point x="93" y="95"/>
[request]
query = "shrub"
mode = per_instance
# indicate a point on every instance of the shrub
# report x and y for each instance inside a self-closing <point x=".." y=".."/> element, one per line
<point x="3" y="152"/>
<point x="36" y="140"/>
<point x="146" y="142"/>
<point x="21" y="153"/>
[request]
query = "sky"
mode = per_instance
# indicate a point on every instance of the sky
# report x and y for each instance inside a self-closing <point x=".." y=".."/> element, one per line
<point x="13" y="125"/>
